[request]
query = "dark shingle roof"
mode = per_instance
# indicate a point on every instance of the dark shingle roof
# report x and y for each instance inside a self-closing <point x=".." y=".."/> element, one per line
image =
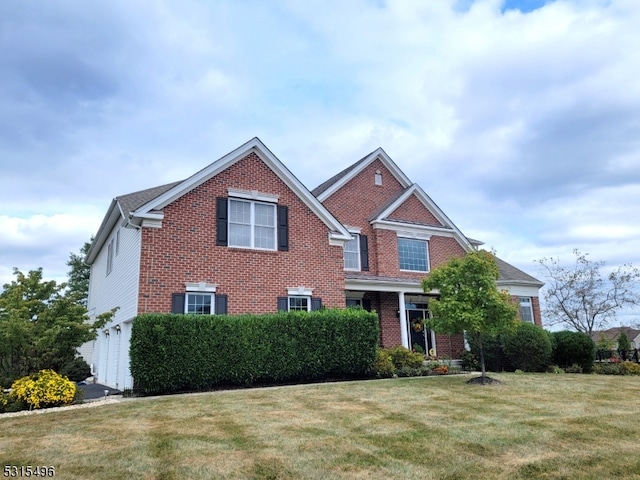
<point x="509" y="273"/>
<point x="132" y="201"/>
<point x="324" y="186"/>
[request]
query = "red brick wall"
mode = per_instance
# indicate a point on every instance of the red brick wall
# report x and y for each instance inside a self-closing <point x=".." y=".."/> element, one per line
<point x="389" y="321"/>
<point x="184" y="250"/>
<point x="359" y="198"/>
<point x="413" y="210"/>
<point x="450" y="346"/>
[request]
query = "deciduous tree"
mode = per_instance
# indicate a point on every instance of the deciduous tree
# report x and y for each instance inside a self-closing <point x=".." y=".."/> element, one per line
<point x="78" y="284"/>
<point x="41" y="326"/>
<point x="469" y="299"/>
<point x="584" y="298"/>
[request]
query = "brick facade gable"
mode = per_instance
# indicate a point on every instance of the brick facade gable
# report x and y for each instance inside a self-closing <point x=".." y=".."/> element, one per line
<point x="412" y="210"/>
<point x="185" y="250"/>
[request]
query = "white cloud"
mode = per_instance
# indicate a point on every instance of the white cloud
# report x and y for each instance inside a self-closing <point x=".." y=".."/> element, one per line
<point x="524" y="128"/>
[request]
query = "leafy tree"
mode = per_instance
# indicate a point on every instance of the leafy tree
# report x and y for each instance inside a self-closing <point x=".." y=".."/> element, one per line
<point x="624" y="345"/>
<point x="469" y="299"/>
<point x="582" y="297"/>
<point x="78" y="284"/>
<point x="40" y="326"/>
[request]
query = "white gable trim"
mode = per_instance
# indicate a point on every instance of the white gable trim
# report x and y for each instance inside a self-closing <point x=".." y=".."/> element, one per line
<point x="447" y="228"/>
<point x="380" y="154"/>
<point x="337" y="231"/>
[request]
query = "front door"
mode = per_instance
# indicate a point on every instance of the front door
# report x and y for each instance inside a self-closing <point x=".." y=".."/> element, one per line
<point x="420" y="337"/>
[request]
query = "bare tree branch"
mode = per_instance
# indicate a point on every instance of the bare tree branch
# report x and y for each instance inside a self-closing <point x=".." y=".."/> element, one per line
<point x="582" y="298"/>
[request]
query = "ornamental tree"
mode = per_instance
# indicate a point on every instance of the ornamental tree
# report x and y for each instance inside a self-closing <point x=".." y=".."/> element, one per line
<point x="469" y="300"/>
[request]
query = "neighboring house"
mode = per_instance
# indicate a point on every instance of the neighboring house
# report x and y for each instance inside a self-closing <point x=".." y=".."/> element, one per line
<point x="612" y="334"/>
<point x="243" y="235"/>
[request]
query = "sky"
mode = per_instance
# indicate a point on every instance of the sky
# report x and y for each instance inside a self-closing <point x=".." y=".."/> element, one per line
<point x="519" y="118"/>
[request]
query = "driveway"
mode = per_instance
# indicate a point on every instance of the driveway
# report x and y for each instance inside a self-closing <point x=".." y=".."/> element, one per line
<point x="93" y="391"/>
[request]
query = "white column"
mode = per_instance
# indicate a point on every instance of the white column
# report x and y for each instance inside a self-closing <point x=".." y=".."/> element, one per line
<point x="404" y="335"/>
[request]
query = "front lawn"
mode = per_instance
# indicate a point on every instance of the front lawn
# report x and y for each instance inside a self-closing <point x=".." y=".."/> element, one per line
<point x="530" y="426"/>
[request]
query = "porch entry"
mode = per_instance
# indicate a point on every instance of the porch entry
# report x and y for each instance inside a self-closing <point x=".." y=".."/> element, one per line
<point x="420" y="337"/>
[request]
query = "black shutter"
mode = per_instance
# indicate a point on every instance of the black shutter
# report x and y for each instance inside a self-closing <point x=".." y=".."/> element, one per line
<point x="222" y="226"/>
<point x="283" y="228"/>
<point x="316" y="303"/>
<point x="366" y="304"/>
<point x="177" y="303"/>
<point x="221" y="305"/>
<point x="364" y="253"/>
<point x="283" y="304"/>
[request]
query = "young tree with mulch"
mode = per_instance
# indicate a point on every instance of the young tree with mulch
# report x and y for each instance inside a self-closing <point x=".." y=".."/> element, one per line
<point x="469" y="301"/>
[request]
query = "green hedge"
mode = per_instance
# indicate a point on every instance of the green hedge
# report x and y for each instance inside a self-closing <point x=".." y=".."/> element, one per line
<point x="571" y="348"/>
<point x="171" y="353"/>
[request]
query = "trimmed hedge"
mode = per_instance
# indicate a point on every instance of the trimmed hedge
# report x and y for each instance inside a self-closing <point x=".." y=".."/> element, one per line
<point x="171" y="353"/>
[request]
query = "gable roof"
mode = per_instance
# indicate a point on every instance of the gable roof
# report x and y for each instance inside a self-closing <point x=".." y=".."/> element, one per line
<point x="614" y="332"/>
<point x="326" y="189"/>
<point x="147" y="205"/>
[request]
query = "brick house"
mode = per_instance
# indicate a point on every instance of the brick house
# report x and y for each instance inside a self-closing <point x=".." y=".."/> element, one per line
<point x="244" y="235"/>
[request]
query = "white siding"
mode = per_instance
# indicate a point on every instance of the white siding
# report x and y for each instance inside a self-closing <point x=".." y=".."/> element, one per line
<point x="119" y="288"/>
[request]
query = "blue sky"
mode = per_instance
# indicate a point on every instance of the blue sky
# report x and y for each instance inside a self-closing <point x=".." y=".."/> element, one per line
<point x="520" y="119"/>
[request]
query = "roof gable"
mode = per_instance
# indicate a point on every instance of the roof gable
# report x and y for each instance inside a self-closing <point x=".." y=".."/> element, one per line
<point x="147" y="204"/>
<point x="384" y="215"/>
<point x="326" y="189"/>
<point x="252" y="146"/>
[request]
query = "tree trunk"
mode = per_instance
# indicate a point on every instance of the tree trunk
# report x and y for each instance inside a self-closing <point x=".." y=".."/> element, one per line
<point x="483" y="369"/>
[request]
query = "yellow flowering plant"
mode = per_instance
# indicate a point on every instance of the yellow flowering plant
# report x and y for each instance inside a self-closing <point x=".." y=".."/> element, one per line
<point x="44" y="389"/>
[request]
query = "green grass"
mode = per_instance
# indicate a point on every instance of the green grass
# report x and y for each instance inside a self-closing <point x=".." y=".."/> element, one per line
<point x="531" y="426"/>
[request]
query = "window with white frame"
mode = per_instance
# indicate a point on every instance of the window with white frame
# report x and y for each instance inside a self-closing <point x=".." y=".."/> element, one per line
<point x="526" y="309"/>
<point x="199" y="303"/>
<point x="413" y="254"/>
<point x="252" y="224"/>
<point x="110" y="257"/>
<point x="352" y="253"/>
<point x="300" y="303"/>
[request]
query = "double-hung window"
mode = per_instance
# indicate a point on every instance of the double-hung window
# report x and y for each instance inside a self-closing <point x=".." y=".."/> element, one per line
<point x="526" y="309"/>
<point x="252" y="224"/>
<point x="352" y="253"/>
<point x="413" y="254"/>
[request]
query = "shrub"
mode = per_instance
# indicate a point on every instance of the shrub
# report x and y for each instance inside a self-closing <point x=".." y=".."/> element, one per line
<point x="554" y="369"/>
<point x="608" y="369"/>
<point x="470" y="362"/>
<point x="170" y="352"/>
<point x="77" y="369"/>
<point x="44" y="389"/>
<point x="630" y="368"/>
<point x="573" y="347"/>
<point x="383" y="366"/>
<point x="528" y="348"/>
<point x="494" y="358"/>
<point x="575" y="368"/>
<point x="404" y="358"/>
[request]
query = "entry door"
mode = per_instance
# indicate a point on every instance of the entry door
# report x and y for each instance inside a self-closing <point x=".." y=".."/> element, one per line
<point x="419" y="334"/>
